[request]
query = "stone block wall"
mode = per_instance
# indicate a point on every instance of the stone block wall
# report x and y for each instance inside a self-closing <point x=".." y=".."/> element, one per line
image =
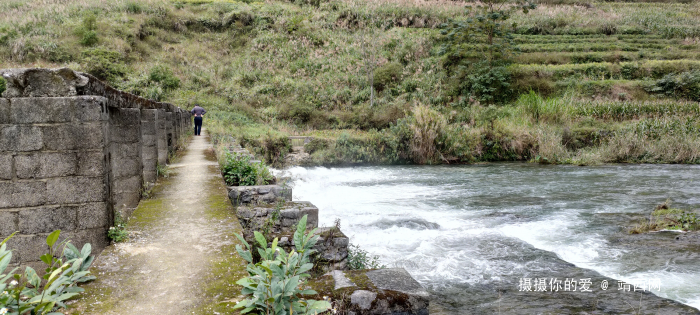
<point x="72" y="151"/>
<point x="52" y="152"/>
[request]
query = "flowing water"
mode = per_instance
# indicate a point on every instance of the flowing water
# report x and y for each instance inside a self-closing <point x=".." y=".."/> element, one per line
<point x="460" y="227"/>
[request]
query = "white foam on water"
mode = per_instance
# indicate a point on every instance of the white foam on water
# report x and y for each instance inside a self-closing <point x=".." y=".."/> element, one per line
<point x="386" y="211"/>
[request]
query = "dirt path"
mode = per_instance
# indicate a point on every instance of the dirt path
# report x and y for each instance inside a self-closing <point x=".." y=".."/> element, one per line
<point x="181" y="257"/>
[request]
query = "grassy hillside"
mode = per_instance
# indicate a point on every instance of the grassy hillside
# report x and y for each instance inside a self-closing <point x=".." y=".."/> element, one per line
<point x="610" y="81"/>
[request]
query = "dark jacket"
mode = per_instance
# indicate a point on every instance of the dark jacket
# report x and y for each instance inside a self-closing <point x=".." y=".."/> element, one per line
<point x="198" y="111"/>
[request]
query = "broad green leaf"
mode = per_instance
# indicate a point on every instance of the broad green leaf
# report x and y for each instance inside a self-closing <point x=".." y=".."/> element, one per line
<point x="246" y="255"/>
<point x="46" y="258"/>
<point x="308" y="292"/>
<point x="87" y="249"/>
<point x="291" y="285"/>
<point x="274" y="245"/>
<point x="242" y="240"/>
<point x="261" y="239"/>
<point x="52" y="238"/>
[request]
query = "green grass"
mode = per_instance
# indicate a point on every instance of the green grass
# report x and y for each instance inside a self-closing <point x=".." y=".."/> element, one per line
<point x="266" y="71"/>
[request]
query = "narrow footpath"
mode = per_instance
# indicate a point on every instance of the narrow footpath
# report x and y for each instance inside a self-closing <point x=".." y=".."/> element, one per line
<point x="180" y="258"/>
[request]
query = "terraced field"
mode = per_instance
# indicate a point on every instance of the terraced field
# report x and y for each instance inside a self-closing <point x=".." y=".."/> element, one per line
<point x="368" y="80"/>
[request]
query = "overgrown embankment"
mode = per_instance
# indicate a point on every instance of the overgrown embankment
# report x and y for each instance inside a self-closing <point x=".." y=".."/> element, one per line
<point x="371" y="82"/>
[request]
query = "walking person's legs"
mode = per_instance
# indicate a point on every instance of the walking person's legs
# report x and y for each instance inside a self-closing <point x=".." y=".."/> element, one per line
<point x="197" y="126"/>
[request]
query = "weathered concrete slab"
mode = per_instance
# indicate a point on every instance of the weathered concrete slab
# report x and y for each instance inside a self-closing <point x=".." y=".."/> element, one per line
<point x="37" y="82"/>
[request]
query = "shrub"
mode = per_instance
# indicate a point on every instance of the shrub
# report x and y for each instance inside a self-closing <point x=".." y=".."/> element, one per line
<point x="28" y="293"/>
<point x="164" y="76"/>
<point x="104" y="64"/>
<point x="240" y="171"/>
<point x="273" y="284"/>
<point x="3" y="86"/>
<point x="360" y="259"/>
<point x="275" y="148"/>
<point x="387" y="75"/>
<point x="88" y="30"/>
<point x="316" y="144"/>
<point x="684" y="85"/>
<point x="133" y="7"/>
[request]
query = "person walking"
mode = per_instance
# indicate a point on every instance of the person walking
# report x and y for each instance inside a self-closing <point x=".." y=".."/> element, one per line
<point x="198" y="113"/>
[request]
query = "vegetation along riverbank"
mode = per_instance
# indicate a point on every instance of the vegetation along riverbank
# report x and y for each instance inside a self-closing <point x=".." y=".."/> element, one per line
<point x="395" y="81"/>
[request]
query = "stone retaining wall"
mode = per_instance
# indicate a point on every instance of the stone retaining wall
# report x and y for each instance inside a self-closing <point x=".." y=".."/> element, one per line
<point x="73" y="150"/>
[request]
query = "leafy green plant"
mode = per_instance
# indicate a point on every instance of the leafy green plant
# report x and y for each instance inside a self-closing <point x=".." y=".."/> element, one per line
<point x="387" y="74"/>
<point x="684" y="85"/>
<point x="3" y="86"/>
<point x="688" y="221"/>
<point x="118" y="232"/>
<point x="164" y="76"/>
<point x="273" y="284"/>
<point x="29" y="294"/>
<point x="105" y="64"/>
<point x="162" y="170"/>
<point x="477" y="50"/>
<point x="359" y="258"/>
<point x="88" y="30"/>
<point x="238" y="170"/>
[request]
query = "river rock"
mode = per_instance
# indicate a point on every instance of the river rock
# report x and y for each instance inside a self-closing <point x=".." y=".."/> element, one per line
<point x="377" y="292"/>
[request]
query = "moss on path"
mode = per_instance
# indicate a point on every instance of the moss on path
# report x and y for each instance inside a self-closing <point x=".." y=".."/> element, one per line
<point x="181" y="256"/>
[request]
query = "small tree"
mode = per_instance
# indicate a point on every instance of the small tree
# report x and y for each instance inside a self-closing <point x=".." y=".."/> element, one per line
<point x="477" y="51"/>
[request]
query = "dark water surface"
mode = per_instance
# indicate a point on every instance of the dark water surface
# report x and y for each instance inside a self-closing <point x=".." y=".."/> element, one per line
<point x="460" y="228"/>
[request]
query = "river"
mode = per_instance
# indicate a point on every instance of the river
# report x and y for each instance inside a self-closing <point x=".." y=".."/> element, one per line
<point x="457" y="228"/>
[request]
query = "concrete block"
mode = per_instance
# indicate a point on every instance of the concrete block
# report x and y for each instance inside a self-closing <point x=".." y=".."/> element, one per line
<point x="42" y="110"/>
<point x="6" y="166"/>
<point x="28" y="247"/>
<point x="47" y="219"/>
<point x="122" y="151"/>
<point x="148" y="128"/>
<point x="93" y="215"/>
<point x="128" y="184"/>
<point x="96" y="237"/>
<point x="45" y="165"/>
<point x="20" y="138"/>
<point x="127" y="200"/>
<point x="74" y="136"/>
<point x="5" y="117"/>
<point x="149" y="155"/>
<point x="8" y="223"/>
<point x="149" y="141"/>
<point x="125" y="134"/>
<point x="124" y="116"/>
<point x="149" y="115"/>
<point x="90" y="108"/>
<point x="91" y="163"/>
<point x="22" y="194"/>
<point x="126" y="167"/>
<point x="75" y="190"/>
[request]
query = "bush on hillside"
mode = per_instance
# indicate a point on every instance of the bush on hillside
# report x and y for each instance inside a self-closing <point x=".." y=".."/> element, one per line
<point x="387" y="75"/>
<point x="87" y="31"/>
<point x="3" y="87"/>
<point x="164" y="76"/>
<point x="684" y="85"/>
<point x="105" y="64"/>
